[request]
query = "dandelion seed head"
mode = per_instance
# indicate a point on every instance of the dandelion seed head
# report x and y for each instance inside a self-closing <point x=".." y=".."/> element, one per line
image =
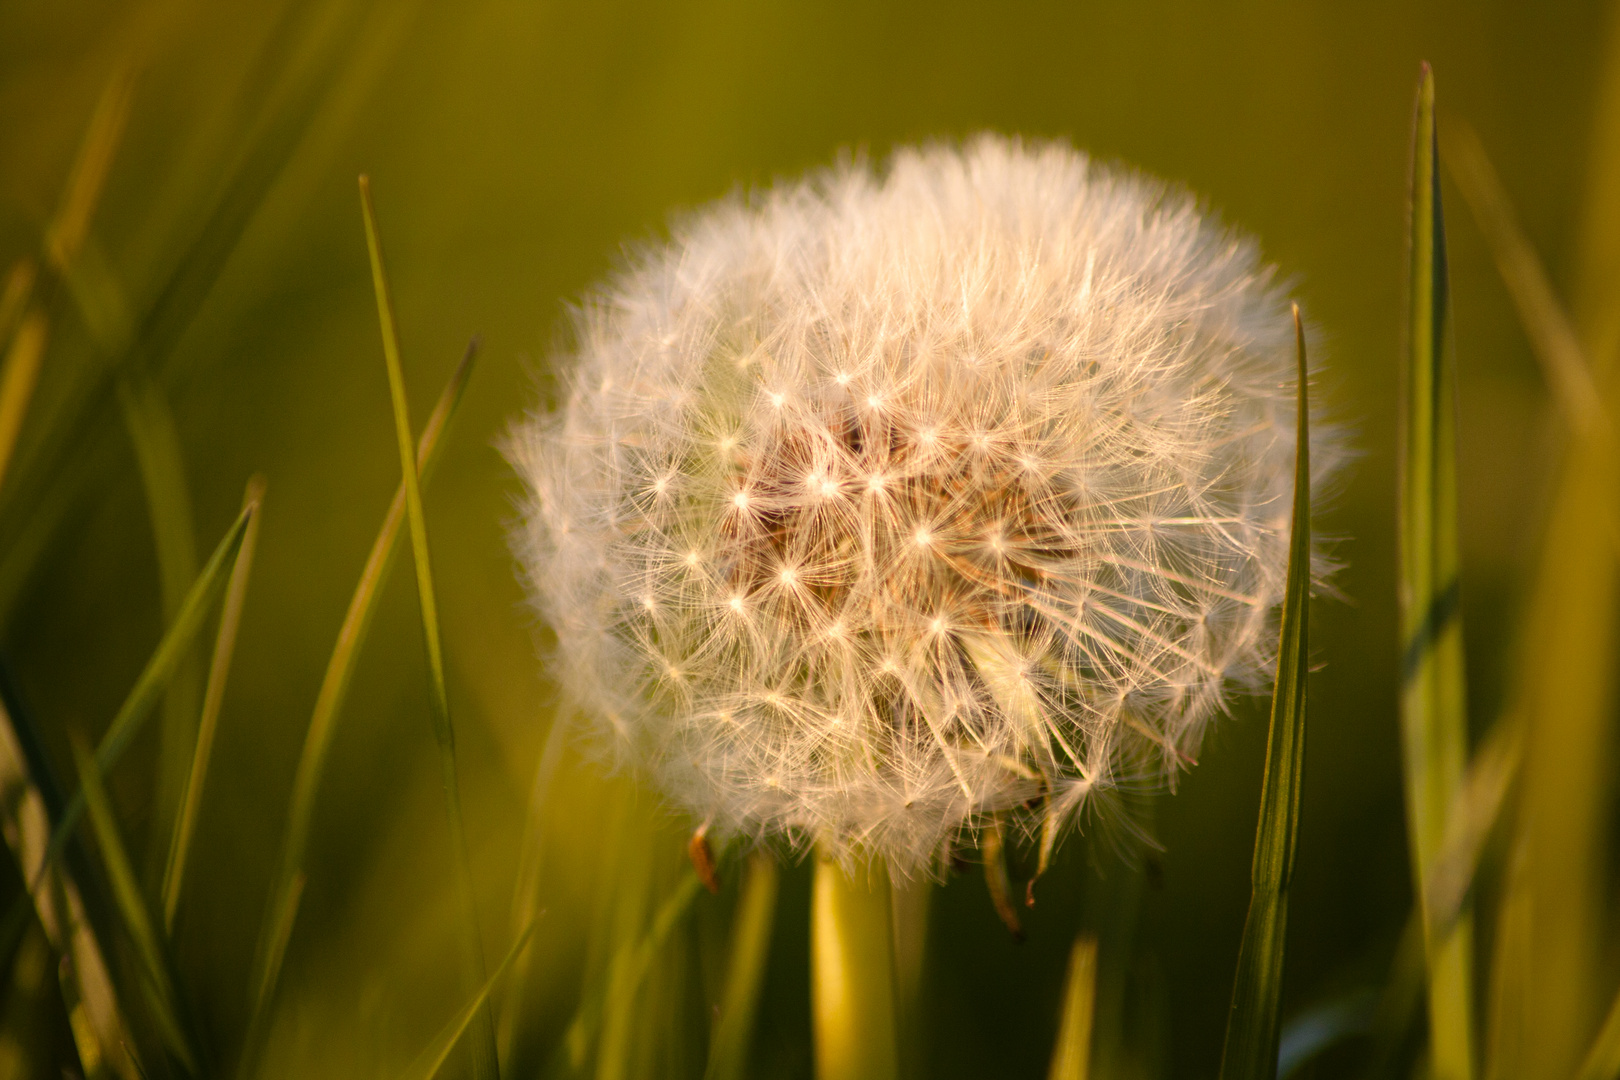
<point x="1067" y="395"/>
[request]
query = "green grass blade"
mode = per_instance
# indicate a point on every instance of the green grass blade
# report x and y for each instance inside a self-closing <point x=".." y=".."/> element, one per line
<point x="432" y="1059"/>
<point x="152" y="430"/>
<point x="287" y="887"/>
<point x="17" y="380"/>
<point x="486" y="1065"/>
<point x="750" y="948"/>
<point x="155" y="676"/>
<point x="1250" y="1052"/>
<point x="150" y="946"/>
<point x="1071" y="1057"/>
<point x="625" y="972"/>
<point x="1603" y="1060"/>
<point x="1434" y="726"/>
<point x="1474" y="815"/>
<point x="230" y="620"/>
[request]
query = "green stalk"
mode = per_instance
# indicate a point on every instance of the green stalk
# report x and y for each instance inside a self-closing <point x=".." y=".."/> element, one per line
<point x="482" y="1036"/>
<point x="852" y="973"/>
<point x="1434" y="724"/>
<point x="1071" y="1058"/>
<point x="1250" y="1052"/>
<point x="750" y="948"/>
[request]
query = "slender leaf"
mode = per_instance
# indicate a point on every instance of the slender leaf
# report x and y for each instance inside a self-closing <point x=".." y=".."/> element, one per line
<point x="287" y="887"/>
<point x="486" y="1064"/>
<point x="625" y="972"/>
<point x="153" y="432"/>
<point x="155" y="676"/>
<point x="1434" y="723"/>
<point x="750" y="947"/>
<point x="150" y="945"/>
<point x="17" y="380"/>
<point x="1071" y="1057"/>
<point x="1250" y="1052"/>
<point x="230" y="620"/>
<point x="432" y="1059"/>
<point x="71" y="225"/>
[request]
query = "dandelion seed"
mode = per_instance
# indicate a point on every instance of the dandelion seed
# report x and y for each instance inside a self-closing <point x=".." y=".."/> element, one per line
<point x="1067" y="362"/>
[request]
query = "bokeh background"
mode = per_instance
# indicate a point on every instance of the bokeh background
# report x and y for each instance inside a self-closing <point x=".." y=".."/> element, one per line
<point x="514" y="149"/>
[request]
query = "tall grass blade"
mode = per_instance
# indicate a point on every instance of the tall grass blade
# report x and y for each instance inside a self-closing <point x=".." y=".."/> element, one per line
<point x="68" y="229"/>
<point x="97" y="1020"/>
<point x="432" y="1059"/>
<point x="1071" y="1057"/>
<point x="17" y="380"/>
<point x="155" y="676"/>
<point x="1434" y="725"/>
<point x="1472" y="818"/>
<point x="1603" y="1060"/>
<point x="152" y="430"/>
<point x="150" y="946"/>
<point x="230" y="620"/>
<point x="1250" y="1052"/>
<point x="625" y="972"/>
<point x="485" y="1062"/>
<point x="287" y="887"/>
<point x="750" y="948"/>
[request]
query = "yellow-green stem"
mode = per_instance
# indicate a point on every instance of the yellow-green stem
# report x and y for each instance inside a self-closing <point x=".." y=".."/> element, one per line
<point x="852" y="973"/>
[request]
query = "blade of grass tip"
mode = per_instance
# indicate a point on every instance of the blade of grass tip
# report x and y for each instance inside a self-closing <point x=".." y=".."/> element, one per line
<point x="1250" y="1052"/>
<point x="1603" y="1060"/>
<point x="98" y="1025"/>
<point x="1071" y="1058"/>
<point x="485" y="1062"/>
<point x="150" y="946"/>
<point x="852" y="973"/>
<point x="281" y="911"/>
<point x="230" y="620"/>
<point x="155" y="676"/>
<point x="156" y="439"/>
<point x="750" y="948"/>
<point x="432" y="1058"/>
<point x="1434" y="722"/>
<point x="625" y="972"/>
<point x="17" y="381"/>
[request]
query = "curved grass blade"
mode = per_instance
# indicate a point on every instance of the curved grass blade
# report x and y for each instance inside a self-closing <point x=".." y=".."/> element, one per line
<point x="750" y="948"/>
<point x="1434" y="725"/>
<point x="1071" y="1058"/>
<point x="151" y="427"/>
<point x="150" y="946"/>
<point x="486" y="1065"/>
<point x="432" y="1059"/>
<point x="1250" y="1052"/>
<point x="625" y="972"/>
<point x="288" y="885"/>
<point x="155" y="676"/>
<point x="230" y="620"/>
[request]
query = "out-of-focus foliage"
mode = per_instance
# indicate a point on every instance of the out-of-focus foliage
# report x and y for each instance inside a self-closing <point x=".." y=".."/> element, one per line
<point x="177" y="213"/>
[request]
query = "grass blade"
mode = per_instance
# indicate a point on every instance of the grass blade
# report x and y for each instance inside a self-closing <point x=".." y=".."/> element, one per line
<point x="152" y="430"/>
<point x="17" y="381"/>
<point x="625" y="972"/>
<point x="1434" y="726"/>
<point x="1603" y="1060"/>
<point x="155" y="676"/>
<point x="485" y="1063"/>
<point x="230" y="620"/>
<point x="432" y="1059"/>
<point x="750" y="948"/>
<point x="67" y="231"/>
<point x="287" y="887"/>
<point x="150" y="946"/>
<point x="1250" y="1052"/>
<point x="96" y="1016"/>
<point x="1071" y="1058"/>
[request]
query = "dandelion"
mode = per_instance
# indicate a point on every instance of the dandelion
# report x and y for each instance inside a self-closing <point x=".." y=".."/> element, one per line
<point x="883" y="502"/>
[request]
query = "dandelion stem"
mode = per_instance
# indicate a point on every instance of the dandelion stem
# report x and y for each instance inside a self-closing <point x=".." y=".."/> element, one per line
<point x="852" y="973"/>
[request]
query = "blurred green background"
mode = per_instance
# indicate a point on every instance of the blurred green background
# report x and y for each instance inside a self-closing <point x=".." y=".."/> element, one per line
<point x="514" y="148"/>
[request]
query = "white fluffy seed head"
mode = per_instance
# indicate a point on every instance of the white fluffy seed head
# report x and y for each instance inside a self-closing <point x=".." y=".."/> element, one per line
<point x="882" y="502"/>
